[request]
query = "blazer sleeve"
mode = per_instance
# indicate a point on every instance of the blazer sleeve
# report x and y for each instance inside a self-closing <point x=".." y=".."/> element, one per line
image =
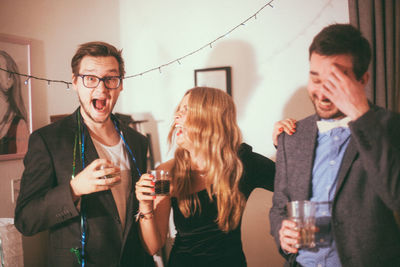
<point x="280" y="198"/>
<point x="377" y="137"/>
<point x="42" y="202"/>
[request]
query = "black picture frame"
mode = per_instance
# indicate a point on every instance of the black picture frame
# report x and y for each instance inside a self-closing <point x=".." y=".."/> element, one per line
<point x="218" y="77"/>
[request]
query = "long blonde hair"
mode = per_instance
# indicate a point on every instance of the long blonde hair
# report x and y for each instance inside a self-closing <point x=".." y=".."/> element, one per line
<point x="212" y="128"/>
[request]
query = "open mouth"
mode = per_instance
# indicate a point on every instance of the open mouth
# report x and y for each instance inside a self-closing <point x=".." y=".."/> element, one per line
<point x="99" y="104"/>
<point x="325" y="103"/>
<point x="322" y="102"/>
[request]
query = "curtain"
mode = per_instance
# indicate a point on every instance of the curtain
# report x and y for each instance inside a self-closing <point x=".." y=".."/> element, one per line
<point x="379" y="21"/>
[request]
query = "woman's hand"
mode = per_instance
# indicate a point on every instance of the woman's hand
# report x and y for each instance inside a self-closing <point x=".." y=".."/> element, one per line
<point x="287" y="125"/>
<point x="155" y="209"/>
<point x="144" y="189"/>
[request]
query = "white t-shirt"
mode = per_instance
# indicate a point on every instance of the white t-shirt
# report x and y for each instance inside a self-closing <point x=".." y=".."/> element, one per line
<point x="118" y="155"/>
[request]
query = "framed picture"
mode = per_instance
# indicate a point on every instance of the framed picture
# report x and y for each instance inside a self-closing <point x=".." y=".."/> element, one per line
<point x="15" y="97"/>
<point x="219" y="77"/>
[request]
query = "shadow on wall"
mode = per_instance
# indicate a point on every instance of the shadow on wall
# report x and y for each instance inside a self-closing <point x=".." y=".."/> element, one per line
<point x="149" y="128"/>
<point x="258" y="244"/>
<point x="299" y="105"/>
<point x="240" y="56"/>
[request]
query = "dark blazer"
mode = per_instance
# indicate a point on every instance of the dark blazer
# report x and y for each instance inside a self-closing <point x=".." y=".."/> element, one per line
<point x="367" y="193"/>
<point x="45" y="201"/>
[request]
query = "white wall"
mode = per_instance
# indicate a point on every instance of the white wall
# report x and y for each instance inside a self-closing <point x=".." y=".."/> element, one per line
<point x="268" y="57"/>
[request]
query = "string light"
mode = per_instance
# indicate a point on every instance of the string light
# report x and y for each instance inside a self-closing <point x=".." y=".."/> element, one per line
<point x="34" y="77"/>
<point x="269" y="4"/>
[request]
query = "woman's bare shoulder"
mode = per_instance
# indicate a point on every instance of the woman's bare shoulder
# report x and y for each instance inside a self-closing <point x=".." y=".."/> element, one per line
<point x="166" y="166"/>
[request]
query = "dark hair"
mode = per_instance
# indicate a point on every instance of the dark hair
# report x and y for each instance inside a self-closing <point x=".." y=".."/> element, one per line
<point x="97" y="49"/>
<point x="339" y="39"/>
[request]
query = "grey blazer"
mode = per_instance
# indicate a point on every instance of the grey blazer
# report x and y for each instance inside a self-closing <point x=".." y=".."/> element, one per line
<point x="367" y="193"/>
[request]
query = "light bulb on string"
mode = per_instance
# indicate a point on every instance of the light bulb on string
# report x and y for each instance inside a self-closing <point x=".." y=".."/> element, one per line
<point x="210" y="44"/>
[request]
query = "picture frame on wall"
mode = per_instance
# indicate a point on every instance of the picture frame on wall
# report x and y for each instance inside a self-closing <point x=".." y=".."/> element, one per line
<point x="218" y="77"/>
<point x="15" y="97"/>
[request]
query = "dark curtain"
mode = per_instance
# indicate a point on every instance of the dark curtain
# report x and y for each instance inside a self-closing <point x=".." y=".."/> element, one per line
<point x="379" y="21"/>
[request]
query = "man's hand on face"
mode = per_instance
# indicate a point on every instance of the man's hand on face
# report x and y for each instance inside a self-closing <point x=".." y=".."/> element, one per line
<point x="94" y="178"/>
<point x="346" y="92"/>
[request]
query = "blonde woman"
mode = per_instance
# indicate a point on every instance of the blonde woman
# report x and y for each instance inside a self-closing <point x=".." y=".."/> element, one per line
<point x="213" y="174"/>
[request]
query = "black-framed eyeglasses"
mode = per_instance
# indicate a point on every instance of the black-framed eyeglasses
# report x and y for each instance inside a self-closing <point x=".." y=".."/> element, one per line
<point x="92" y="81"/>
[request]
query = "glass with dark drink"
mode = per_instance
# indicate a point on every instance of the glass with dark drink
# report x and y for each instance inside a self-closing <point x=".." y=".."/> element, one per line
<point x="161" y="181"/>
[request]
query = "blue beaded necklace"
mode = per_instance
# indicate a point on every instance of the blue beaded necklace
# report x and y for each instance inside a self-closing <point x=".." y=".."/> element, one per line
<point x="80" y="139"/>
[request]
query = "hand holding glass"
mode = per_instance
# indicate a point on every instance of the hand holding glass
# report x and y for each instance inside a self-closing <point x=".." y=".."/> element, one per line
<point x="302" y="212"/>
<point x="111" y="175"/>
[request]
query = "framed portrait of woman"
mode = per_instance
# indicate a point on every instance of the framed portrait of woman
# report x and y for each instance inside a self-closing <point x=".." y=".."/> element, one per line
<point x="15" y="97"/>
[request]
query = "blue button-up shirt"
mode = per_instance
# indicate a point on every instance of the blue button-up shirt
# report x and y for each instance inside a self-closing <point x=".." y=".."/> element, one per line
<point x="329" y="153"/>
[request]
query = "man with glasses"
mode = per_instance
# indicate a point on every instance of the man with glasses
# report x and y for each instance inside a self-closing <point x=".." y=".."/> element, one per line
<point x="79" y="172"/>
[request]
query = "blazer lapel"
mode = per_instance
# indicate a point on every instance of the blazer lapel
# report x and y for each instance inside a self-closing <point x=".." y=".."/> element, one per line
<point x="305" y="158"/>
<point x="348" y="159"/>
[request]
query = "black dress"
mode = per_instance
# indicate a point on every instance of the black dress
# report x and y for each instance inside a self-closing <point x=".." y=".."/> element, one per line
<point x="8" y="144"/>
<point x="199" y="241"/>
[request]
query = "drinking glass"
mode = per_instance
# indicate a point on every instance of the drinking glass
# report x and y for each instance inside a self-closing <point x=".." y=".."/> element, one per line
<point x="161" y="181"/>
<point x="302" y="212"/>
